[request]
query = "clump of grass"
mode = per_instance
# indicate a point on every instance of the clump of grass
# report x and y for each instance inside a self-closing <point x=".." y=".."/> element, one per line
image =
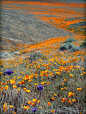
<point x="35" y="56"/>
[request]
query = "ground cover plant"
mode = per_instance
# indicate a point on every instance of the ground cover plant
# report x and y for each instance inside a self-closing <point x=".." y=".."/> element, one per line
<point x="48" y="76"/>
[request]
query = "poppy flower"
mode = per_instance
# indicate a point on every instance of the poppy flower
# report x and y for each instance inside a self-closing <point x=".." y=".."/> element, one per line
<point x="48" y="82"/>
<point x="33" y="104"/>
<point x="35" y="84"/>
<point x="12" y="81"/>
<point x="14" y="86"/>
<point x="52" y="111"/>
<point x="79" y="89"/>
<point x="34" y="100"/>
<point x="40" y="107"/>
<point x="34" y="110"/>
<point x="63" y="99"/>
<point x="65" y="87"/>
<point x="29" y="102"/>
<point x="10" y="106"/>
<point x="6" y="87"/>
<point x="40" y="87"/>
<point x="55" y="94"/>
<point x="1" y="73"/>
<point x="27" y="91"/>
<point x="71" y="75"/>
<point x="5" y="107"/>
<point x="42" y="83"/>
<point x="52" y="99"/>
<point x="62" y="88"/>
<point x="70" y="102"/>
<point x="65" y="80"/>
<point x="62" y="83"/>
<point x="26" y="107"/>
<point x="71" y="94"/>
<point x="49" y="103"/>
<point x="38" y="101"/>
<point x="9" y="72"/>
<point x="74" y="100"/>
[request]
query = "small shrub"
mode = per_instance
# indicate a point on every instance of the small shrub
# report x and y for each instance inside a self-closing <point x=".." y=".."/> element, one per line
<point x="70" y="45"/>
<point x="74" y="49"/>
<point x="70" y="40"/>
<point x="83" y="45"/>
<point x="64" y="47"/>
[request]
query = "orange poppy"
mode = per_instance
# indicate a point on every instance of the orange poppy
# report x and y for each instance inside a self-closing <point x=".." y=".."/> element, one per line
<point x="79" y="89"/>
<point x="52" y="111"/>
<point x="12" y="81"/>
<point x="49" y="103"/>
<point x="29" y="102"/>
<point x="65" y="80"/>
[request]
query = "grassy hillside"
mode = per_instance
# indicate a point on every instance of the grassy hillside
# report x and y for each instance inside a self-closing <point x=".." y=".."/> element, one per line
<point x="43" y="66"/>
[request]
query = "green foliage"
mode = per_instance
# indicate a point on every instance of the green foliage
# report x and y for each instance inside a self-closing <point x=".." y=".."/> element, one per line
<point x="83" y="45"/>
<point x="70" y="40"/>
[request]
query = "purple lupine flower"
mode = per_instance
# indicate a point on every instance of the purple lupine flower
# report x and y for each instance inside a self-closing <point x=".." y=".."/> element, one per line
<point x="40" y="87"/>
<point x="34" y="110"/>
<point x="9" y="72"/>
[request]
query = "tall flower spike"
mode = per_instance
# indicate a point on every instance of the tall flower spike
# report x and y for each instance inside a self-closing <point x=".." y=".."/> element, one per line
<point x="40" y="87"/>
<point x="9" y="72"/>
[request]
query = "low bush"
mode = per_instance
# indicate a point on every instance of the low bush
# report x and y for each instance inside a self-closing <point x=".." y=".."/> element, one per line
<point x="70" y="40"/>
<point x="70" y="45"/>
<point x="74" y="49"/>
<point x="64" y="47"/>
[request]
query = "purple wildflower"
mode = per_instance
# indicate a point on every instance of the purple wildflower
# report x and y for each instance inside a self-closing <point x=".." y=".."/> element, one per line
<point x="9" y="72"/>
<point x="40" y="87"/>
<point x="34" y="110"/>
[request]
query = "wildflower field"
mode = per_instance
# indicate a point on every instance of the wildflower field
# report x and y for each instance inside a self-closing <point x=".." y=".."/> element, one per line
<point x="48" y="75"/>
